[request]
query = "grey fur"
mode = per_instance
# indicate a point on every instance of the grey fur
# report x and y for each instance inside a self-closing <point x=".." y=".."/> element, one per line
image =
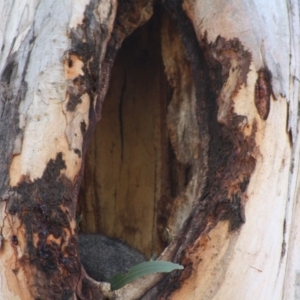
<point x="102" y="257"/>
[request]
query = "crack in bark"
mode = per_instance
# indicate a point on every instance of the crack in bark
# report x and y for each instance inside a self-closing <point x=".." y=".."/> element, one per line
<point x="120" y="111"/>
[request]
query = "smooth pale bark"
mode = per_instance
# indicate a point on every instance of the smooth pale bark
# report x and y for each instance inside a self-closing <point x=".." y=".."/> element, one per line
<point x="42" y="128"/>
<point x="37" y="71"/>
<point x="261" y="261"/>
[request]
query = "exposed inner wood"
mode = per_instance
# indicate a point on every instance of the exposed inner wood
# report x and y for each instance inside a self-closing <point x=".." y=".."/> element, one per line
<point x="128" y="167"/>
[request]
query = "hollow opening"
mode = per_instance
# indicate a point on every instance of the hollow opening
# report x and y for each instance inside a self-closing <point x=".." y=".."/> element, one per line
<point x="126" y="172"/>
<point x="131" y="172"/>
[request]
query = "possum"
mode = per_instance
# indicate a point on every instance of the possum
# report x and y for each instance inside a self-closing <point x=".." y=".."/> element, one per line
<point x="103" y="257"/>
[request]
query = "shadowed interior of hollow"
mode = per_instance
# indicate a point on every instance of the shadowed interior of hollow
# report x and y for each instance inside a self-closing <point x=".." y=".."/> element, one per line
<point x="128" y="165"/>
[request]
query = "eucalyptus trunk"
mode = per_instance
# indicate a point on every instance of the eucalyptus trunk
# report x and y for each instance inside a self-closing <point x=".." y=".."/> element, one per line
<point x="196" y="155"/>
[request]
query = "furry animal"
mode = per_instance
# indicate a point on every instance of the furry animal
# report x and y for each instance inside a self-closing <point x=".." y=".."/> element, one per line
<point x="103" y="257"/>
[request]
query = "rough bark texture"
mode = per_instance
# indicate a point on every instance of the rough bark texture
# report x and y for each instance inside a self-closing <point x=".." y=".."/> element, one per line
<point x="221" y="145"/>
<point x="39" y="252"/>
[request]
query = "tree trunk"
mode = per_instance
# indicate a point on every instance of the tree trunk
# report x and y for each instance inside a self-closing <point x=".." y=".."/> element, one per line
<point x="196" y="155"/>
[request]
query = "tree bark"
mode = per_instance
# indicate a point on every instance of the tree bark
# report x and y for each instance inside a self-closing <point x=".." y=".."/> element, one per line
<point x="224" y="166"/>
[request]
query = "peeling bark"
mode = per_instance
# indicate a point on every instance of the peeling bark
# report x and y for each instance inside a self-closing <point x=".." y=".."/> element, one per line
<point x="40" y="199"/>
<point x="230" y="199"/>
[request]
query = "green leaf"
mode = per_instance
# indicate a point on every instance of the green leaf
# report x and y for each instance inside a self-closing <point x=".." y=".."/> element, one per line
<point x="142" y="269"/>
